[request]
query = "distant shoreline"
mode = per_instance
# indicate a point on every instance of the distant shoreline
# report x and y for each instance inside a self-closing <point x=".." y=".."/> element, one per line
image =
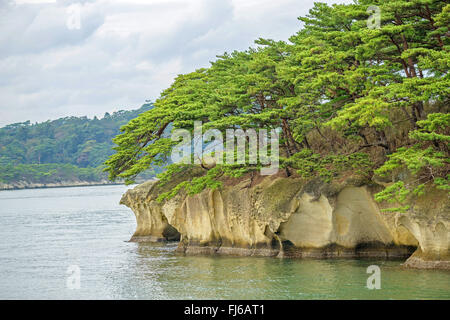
<point x="25" y="186"/>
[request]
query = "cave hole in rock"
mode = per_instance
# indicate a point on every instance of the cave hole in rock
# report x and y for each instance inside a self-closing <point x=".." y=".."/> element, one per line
<point x="171" y="233"/>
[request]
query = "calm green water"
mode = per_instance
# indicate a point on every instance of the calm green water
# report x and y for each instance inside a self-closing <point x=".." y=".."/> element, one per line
<point x="43" y="232"/>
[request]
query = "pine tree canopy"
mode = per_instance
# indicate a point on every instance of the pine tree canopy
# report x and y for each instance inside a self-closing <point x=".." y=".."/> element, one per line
<point x="347" y="97"/>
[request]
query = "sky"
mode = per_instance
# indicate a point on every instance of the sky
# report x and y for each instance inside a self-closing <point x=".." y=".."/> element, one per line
<point x="84" y="58"/>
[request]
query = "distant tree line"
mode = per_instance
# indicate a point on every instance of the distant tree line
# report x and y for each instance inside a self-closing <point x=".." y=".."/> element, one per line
<point x="67" y="149"/>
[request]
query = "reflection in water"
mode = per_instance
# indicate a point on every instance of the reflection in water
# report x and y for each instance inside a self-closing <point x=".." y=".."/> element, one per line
<point x="45" y="231"/>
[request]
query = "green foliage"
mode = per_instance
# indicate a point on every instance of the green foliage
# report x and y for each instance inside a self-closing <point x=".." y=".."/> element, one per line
<point x="395" y="193"/>
<point x="79" y="141"/>
<point x="194" y="186"/>
<point x="48" y="173"/>
<point x="310" y="164"/>
<point x="414" y="158"/>
<point x="69" y="148"/>
<point x="346" y="97"/>
<point x="434" y="128"/>
<point x="423" y="160"/>
<point x="197" y="184"/>
<point x="443" y="183"/>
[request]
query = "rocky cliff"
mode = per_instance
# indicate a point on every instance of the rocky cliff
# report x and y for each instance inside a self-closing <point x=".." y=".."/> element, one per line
<point x="291" y="217"/>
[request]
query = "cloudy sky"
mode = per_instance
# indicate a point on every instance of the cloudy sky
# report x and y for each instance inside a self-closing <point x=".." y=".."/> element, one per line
<point x="61" y="57"/>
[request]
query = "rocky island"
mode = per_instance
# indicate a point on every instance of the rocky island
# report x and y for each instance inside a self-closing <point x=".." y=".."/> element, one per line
<point x="293" y="218"/>
<point x="357" y="107"/>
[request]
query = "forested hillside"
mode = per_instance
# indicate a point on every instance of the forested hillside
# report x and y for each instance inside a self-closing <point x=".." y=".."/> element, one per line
<point x="67" y="149"/>
<point x="350" y="97"/>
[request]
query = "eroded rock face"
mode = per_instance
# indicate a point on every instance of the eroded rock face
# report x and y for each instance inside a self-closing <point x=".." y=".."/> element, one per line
<point x="347" y="225"/>
<point x="287" y="217"/>
<point x="429" y="223"/>
<point x="152" y="225"/>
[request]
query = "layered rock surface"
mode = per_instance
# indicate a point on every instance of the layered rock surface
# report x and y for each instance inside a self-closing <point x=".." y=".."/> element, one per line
<point x="289" y="217"/>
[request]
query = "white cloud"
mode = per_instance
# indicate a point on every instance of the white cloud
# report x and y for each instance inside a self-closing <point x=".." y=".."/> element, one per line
<point x="126" y="51"/>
